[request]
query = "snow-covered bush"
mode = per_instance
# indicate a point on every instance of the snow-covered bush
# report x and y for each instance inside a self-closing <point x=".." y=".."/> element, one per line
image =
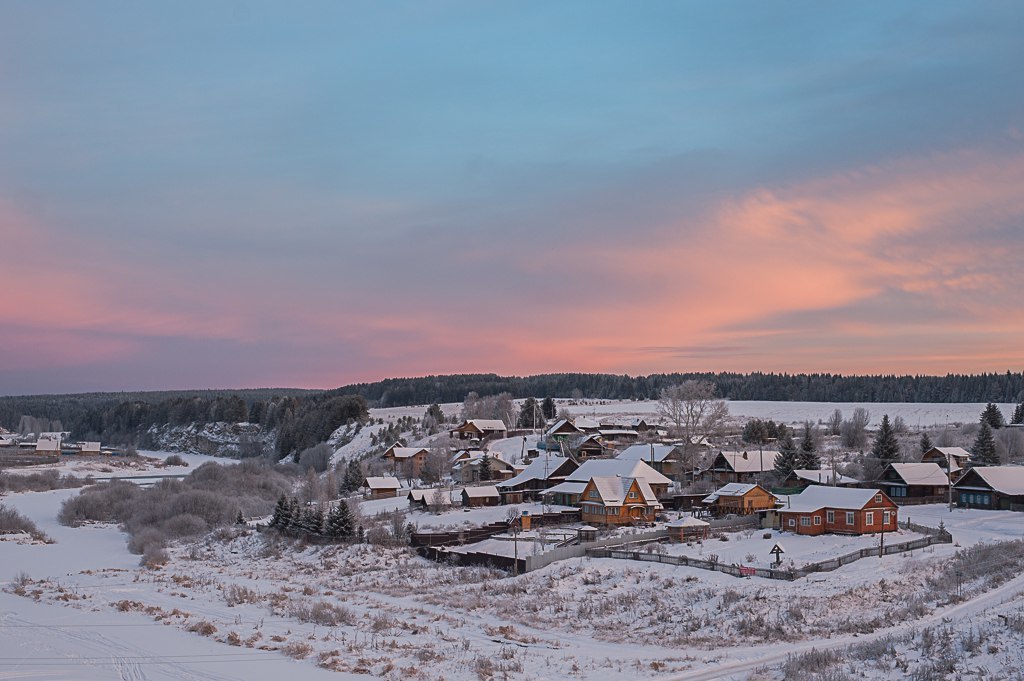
<point x="12" y="522"/>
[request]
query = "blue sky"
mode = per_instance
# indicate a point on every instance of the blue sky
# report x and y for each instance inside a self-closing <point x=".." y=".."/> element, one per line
<point x="256" y="193"/>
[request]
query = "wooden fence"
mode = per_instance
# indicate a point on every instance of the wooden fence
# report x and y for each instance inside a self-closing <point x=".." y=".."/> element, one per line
<point x="475" y="534"/>
<point x="934" y="536"/>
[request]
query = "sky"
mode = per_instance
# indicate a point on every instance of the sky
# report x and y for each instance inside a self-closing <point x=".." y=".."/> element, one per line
<point x="246" y="194"/>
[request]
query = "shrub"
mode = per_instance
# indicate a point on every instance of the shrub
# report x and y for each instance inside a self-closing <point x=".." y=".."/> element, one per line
<point x="154" y="557"/>
<point x="146" y="538"/>
<point x="12" y="522"/>
<point x="175" y="460"/>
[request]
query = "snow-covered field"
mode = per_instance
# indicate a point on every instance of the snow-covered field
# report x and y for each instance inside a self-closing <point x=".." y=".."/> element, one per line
<point x="244" y="605"/>
<point x="915" y="414"/>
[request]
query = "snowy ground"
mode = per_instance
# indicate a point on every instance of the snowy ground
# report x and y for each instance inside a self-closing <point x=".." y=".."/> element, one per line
<point x="237" y="605"/>
<point x="915" y="414"/>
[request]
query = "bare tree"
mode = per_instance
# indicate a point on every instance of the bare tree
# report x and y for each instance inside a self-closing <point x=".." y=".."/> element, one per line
<point x="693" y="413"/>
<point x="835" y="422"/>
<point x="854" y="433"/>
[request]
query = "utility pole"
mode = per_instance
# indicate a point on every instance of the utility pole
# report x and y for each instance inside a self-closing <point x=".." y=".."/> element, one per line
<point x="881" y="542"/>
<point x="949" y="474"/>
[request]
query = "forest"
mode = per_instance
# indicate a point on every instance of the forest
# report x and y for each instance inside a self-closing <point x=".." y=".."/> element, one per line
<point x="302" y="418"/>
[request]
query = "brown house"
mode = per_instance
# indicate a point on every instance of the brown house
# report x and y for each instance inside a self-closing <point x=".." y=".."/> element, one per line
<point x="952" y="460"/>
<point x="406" y="461"/>
<point x="480" y="496"/>
<point x="838" y="510"/>
<point x="479" y="429"/>
<point x="381" y="487"/>
<point x="742" y="499"/>
<point x="992" y="487"/>
<point x="729" y="467"/>
<point x="923" y="482"/>
<point x="614" y="500"/>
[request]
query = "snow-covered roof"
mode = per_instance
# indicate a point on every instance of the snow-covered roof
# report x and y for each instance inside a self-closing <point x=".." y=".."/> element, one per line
<point x="567" y="488"/>
<point x="622" y="467"/>
<point x="545" y="463"/>
<point x="561" y="423"/>
<point x="405" y="452"/>
<point x="658" y="453"/>
<point x="732" y="489"/>
<point x="750" y="462"/>
<point x="612" y="432"/>
<point x="613" y="489"/>
<point x="954" y="452"/>
<point x="584" y="423"/>
<point x="48" y="442"/>
<point x="90" y="446"/>
<point x="484" y="492"/>
<point x="921" y="473"/>
<point x="1008" y="480"/>
<point x="688" y="521"/>
<point x="823" y="477"/>
<point x="817" y="497"/>
<point x="383" y="483"/>
<point x="488" y="424"/>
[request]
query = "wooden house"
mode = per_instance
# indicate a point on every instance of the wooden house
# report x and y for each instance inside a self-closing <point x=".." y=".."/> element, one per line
<point x="588" y="446"/>
<point x="740" y="498"/>
<point x="467" y="469"/>
<point x="90" y="448"/>
<point x="803" y="477"/>
<point x="921" y="482"/>
<point x="406" y="461"/>
<point x="992" y="487"/>
<point x="381" y="487"/>
<point x="838" y="510"/>
<point x="585" y="425"/>
<point x="49" y="443"/>
<point x="953" y="460"/>
<point x="544" y="472"/>
<point x="619" y="435"/>
<point x="480" y="496"/>
<point x="563" y="429"/>
<point x="745" y="467"/>
<point x="614" y="500"/>
<point x="480" y="429"/>
<point x="664" y="458"/>
<point x="570" y="492"/>
<point x="688" y="529"/>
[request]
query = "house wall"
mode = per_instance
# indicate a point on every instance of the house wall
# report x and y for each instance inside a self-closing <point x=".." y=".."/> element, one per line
<point x="593" y="514"/>
<point x="839" y="524"/>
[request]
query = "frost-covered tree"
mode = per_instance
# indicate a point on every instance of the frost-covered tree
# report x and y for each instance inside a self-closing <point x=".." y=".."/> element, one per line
<point x="854" y="433"/>
<point x="788" y="457"/>
<point x="282" y="517"/>
<point x="548" y="408"/>
<point x="1018" y="414"/>
<point x="808" y="457"/>
<point x="993" y="416"/>
<point x="339" y="523"/>
<point x="530" y="415"/>
<point x="983" y="453"/>
<point x="835" y="422"/>
<point x="886" y="449"/>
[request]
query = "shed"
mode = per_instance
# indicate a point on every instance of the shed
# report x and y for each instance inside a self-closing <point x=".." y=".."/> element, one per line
<point x="480" y="496"/>
<point x="688" y="529"/>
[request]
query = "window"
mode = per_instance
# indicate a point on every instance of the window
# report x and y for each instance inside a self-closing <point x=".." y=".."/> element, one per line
<point x="805" y="521"/>
<point x="613" y="511"/>
<point x="594" y="494"/>
<point x="893" y="492"/>
<point x="830" y="517"/>
<point x="817" y="520"/>
<point x="632" y="495"/>
<point x="792" y="522"/>
<point x="850" y="518"/>
<point x="886" y="517"/>
<point x="878" y="498"/>
<point x="869" y="518"/>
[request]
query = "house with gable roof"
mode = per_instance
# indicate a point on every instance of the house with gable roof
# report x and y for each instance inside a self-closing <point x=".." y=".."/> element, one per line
<point x="615" y="500"/>
<point x="544" y="472"/>
<point x="480" y="429"/>
<point x="407" y="461"/>
<point x="992" y="487"/>
<point x="953" y="460"/>
<point x="839" y="510"/>
<point x="570" y="492"/>
<point x="663" y="458"/>
<point x="923" y="482"/>
<point x="740" y="498"/>
<point x="739" y="466"/>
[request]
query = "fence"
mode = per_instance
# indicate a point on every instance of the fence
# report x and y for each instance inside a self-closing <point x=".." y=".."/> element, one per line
<point x="918" y="501"/>
<point x="475" y="534"/>
<point x="934" y="536"/>
<point x="16" y="459"/>
<point x="580" y="550"/>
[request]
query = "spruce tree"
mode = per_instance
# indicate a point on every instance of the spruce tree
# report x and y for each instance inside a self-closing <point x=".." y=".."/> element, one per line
<point x="983" y="453"/>
<point x="993" y="416"/>
<point x="294" y="516"/>
<point x="1018" y="414"/>
<point x="530" y="415"/>
<point x="886" y="449"/>
<point x="353" y="477"/>
<point x="282" y="514"/>
<point x="314" y="521"/>
<point x="926" y="444"/>
<point x="808" y="458"/>
<point x="788" y="457"/>
<point x="339" y="524"/>
<point x="548" y="408"/>
<point x="485" y="468"/>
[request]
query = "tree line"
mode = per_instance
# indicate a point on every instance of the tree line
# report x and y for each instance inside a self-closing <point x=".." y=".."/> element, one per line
<point x="994" y="387"/>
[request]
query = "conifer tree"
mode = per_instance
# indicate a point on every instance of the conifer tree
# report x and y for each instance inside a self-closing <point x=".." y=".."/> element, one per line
<point x="339" y="524"/>
<point x="353" y="477"/>
<point x="993" y="416"/>
<point x="1018" y="414"/>
<point x="282" y="514"/>
<point x="886" y="449"/>
<point x="294" y="516"/>
<point x="983" y="453"/>
<point x="808" y="458"/>
<point x="548" y="408"/>
<point x="788" y="457"/>
<point x="314" y="520"/>
<point x="485" y="467"/>
<point x="926" y="443"/>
